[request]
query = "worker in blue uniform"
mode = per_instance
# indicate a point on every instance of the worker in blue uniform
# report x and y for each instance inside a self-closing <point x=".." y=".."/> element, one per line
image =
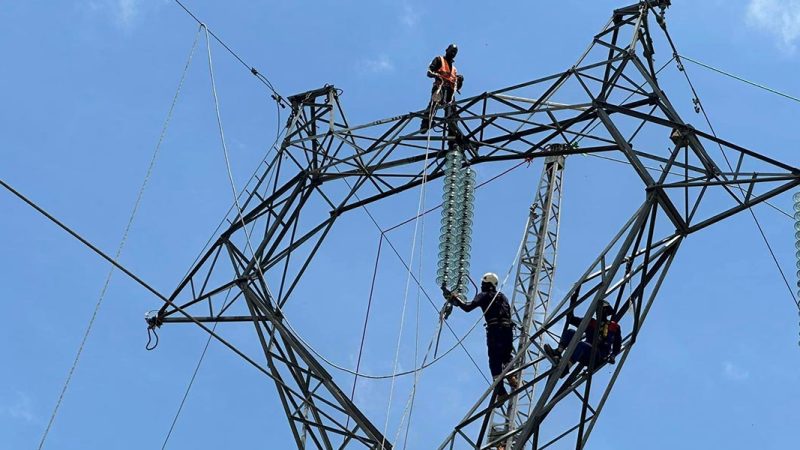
<point x="609" y="340"/>
<point x="499" y="328"/>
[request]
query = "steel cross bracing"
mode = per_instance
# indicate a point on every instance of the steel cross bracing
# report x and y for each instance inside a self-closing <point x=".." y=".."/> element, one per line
<point x="532" y="291"/>
<point x="610" y="100"/>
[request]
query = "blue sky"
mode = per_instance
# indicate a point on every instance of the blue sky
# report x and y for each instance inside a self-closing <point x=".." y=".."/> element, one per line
<point x="86" y="87"/>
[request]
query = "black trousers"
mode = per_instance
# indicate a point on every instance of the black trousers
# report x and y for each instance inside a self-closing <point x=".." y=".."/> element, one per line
<point x="445" y="100"/>
<point x="500" y="344"/>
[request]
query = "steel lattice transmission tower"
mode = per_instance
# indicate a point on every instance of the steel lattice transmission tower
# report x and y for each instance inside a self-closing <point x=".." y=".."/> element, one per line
<point x="610" y="100"/>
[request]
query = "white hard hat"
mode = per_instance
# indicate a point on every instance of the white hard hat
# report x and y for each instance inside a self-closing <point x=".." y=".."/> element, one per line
<point x="490" y="278"/>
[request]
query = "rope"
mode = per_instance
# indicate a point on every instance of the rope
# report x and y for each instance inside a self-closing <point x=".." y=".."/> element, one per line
<point x="122" y="243"/>
<point x="459" y="341"/>
<point x="416" y="327"/>
<point x="188" y="388"/>
<point x="727" y="161"/>
<point x="191" y="380"/>
<point x="251" y="69"/>
<point x="420" y="208"/>
<point x="237" y="196"/>
<point x="416" y="358"/>
<point x="366" y="322"/>
<point x="225" y="150"/>
<point x="246" y="186"/>
<point x="517" y="254"/>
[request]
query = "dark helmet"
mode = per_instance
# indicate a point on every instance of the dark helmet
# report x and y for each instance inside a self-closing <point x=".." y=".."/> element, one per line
<point x="451" y="51"/>
<point x="605" y="308"/>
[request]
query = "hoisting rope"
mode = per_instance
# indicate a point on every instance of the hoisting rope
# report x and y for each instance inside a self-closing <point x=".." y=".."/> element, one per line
<point x="420" y="208"/>
<point x="701" y="109"/>
<point x="417" y="280"/>
<point x="124" y="239"/>
<point x="424" y="366"/>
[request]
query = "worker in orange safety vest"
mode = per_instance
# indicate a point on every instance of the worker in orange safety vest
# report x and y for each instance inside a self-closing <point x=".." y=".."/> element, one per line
<point x="446" y="81"/>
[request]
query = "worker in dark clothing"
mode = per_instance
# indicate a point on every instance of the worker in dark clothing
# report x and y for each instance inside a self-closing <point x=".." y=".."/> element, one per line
<point x="609" y="340"/>
<point x="499" y="337"/>
<point x="446" y="81"/>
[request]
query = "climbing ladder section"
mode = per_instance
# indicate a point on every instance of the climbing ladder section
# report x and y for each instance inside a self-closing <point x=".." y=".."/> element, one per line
<point x="532" y="291"/>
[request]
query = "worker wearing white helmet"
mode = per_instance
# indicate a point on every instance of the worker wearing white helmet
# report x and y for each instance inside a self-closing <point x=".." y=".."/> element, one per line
<point x="499" y="337"/>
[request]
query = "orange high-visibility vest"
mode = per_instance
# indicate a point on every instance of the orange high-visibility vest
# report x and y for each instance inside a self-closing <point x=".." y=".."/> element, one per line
<point x="447" y="72"/>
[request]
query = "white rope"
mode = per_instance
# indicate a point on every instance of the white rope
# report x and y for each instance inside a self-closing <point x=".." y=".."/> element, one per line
<point x="253" y="176"/>
<point x="420" y="208"/>
<point x="417" y="374"/>
<point x="499" y="289"/>
<point x="407" y="372"/>
<point x="224" y="145"/>
<point x="394" y="374"/>
<point x="124" y="239"/>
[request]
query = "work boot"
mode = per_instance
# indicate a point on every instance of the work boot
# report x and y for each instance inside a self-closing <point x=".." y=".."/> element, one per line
<point x="425" y="125"/>
<point x="552" y="353"/>
<point x="566" y="370"/>
<point x="513" y="381"/>
<point x="501" y="395"/>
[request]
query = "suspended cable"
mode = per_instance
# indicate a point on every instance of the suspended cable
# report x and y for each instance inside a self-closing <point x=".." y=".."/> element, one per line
<point x="188" y="388"/>
<point x="423" y="366"/>
<point x="727" y="161"/>
<point x="139" y="281"/>
<point x="388" y="241"/>
<point x="194" y="376"/>
<point x="261" y="77"/>
<point x="736" y="77"/>
<point x="366" y="322"/>
<point x="639" y="86"/>
<point x="124" y="239"/>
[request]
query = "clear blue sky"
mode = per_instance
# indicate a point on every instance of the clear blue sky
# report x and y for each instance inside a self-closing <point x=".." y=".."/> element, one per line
<point x="85" y="89"/>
